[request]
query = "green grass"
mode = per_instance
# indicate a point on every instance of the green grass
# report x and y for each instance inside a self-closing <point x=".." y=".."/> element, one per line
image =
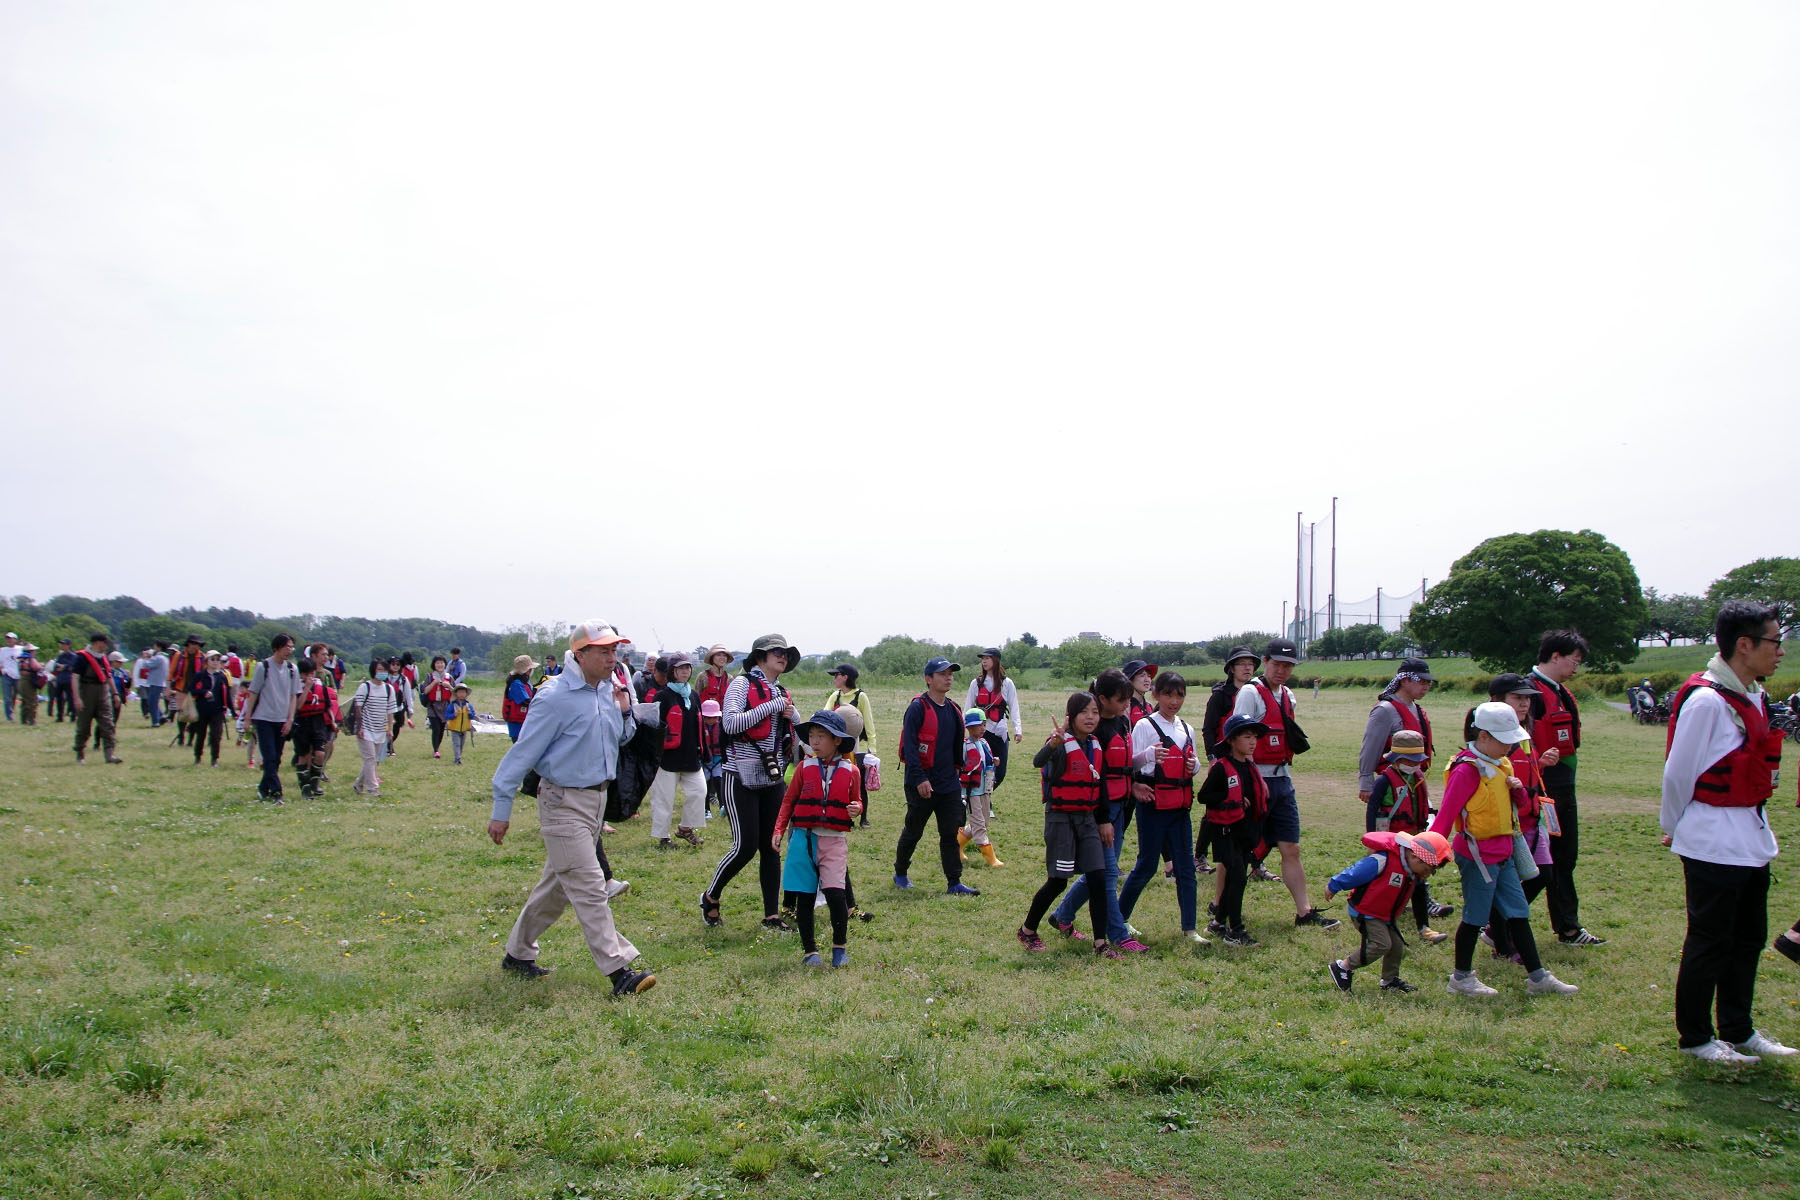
<point x="205" y="996"/>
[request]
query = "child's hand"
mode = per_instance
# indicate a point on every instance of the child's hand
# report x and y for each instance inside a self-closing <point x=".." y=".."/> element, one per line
<point x="855" y="808"/>
<point x="1056" y="732"/>
<point x="1161" y="752"/>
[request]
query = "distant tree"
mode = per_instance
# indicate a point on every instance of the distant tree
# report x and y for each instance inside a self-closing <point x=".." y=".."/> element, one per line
<point x="1396" y="644"/>
<point x="1677" y="616"/>
<point x="142" y="631"/>
<point x="1773" y="581"/>
<point x="1217" y="648"/>
<point x="1363" y="639"/>
<point x="1020" y="654"/>
<point x="1501" y="597"/>
<point x="900" y="654"/>
<point x="1027" y="638"/>
<point x="1080" y="659"/>
<point x="1330" y="644"/>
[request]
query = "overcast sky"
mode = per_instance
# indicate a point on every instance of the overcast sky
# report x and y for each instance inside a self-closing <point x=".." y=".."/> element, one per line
<point x="948" y="319"/>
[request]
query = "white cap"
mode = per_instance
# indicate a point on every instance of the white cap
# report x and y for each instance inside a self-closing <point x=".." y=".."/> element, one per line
<point x="1499" y="721"/>
<point x="11" y="634"/>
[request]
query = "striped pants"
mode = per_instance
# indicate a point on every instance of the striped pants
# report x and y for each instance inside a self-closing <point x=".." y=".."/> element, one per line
<point x="751" y="812"/>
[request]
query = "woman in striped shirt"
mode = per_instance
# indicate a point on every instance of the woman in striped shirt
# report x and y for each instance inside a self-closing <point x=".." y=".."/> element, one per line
<point x="374" y="704"/>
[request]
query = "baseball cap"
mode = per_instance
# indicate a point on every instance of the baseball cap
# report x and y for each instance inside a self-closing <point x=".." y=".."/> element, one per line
<point x="992" y="651"/>
<point x="847" y="670"/>
<point x="1434" y="848"/>
<point x="595" y="633"/>
<point x="941" y="664"/>
<point x="1511" y="683"/>
<point x="1498" y="720"/>
<point x="1281" y="650"/>
<point x="1418" y="668"/>
<point x="974" y="717"/>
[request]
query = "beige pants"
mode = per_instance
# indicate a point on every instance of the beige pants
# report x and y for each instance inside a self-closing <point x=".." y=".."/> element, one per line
<point x="1379" y="941"/>
<point x="662" y="801"/>
<point x="980" y="808"/>
<point x="569" y="819"/>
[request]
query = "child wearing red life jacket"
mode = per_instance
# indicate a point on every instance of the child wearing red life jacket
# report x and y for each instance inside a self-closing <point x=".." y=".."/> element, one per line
<point x="712" y="750"/>
<point x="977" y="778"/>
<point x="820" y="806"/>
<point x="240" y="698"/>
<point x="1114" y="693"/>
<point x="314" y="715"/>
<point x="1166" y="757"/>
<point x="1236" y="801"/>
<point x="1400" y="802"/>
<point x="1380" y="886"/>
<point x="1077" y="820"/>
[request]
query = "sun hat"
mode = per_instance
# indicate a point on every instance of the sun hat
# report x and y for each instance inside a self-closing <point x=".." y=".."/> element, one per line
<point x="1498" y="720"/>
<point x="717" y="648"/>
<point x="523" y="663"/>
<point x="1408" y="745"/>
<point x="1281" y="650"/>
<point x="116" y="657"/>
<point x="595" y="633"/>
<point x="460" y="687"/>
<point x="1237" y="652"/>
<point x="1137" y="664"/>
<point x="1234" y="726"/>
<point x="941" y="664"/>
<point x="1511" y="683"/>
<point x="710" y="708"/>
<point x="769" y="643"/>
<point x="853" y="722"/>
<point x="1433" y="848"/>
<point x="974" y="717"/>
<point x="828" y="720"/>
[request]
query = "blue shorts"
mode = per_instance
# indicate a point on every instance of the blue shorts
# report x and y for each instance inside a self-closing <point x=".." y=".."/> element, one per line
<point x="1481" y="895"/>
<point x="1283" y="822"/>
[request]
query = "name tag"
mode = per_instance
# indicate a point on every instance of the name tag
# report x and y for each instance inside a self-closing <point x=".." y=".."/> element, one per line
<point x="1563" y="735"/>
<point x="1274" y="739"/>
<point x="1396" y="879"/>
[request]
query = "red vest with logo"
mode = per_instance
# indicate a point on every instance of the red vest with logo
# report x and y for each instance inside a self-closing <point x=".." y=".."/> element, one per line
<point x="512" y="710"/>
<point x="1172" y="780"/>
<point x="928" y="730"/>
<point x="971" y="771"/>
<point x="991" y="703"/>
<point x="821" y="807"/>
<point x="1075" y="787"/>
<point x="1246" y="793"/>
<point x="1560" y="726"/>
<point x="1419" y="723"/>
<point x="673" y="722"/>
<point x="1116" y="759"/>
<point x="1746" y="777"/>
<point x="1383" y="897"/>
<point x="1408" y="807"/>
<point x="1272" y="747"/>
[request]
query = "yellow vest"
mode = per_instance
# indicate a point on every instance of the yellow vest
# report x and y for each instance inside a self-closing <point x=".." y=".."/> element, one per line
<point x="459" y="722"/>
<point x="1490" y="812"/>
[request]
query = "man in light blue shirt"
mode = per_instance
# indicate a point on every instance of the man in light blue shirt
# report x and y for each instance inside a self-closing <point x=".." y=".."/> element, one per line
<point x="571" y="739"/>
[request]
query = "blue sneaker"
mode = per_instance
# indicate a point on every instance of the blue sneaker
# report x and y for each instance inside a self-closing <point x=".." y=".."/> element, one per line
<point x="840" y="957"/>
<point x="812" y="960"/>
<point x="901" y="881"/>
<point x="961" y="889"/>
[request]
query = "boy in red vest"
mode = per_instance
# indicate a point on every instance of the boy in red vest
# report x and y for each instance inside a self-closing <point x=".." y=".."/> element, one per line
<point x="1236" y="801"/>
<point x="931" y="747"/>
<point x="1380" y="887"/>
<point x="976" y="775"/>
<point x="1400" y="802"/>
<point x="312" y="722"/>
<point x="821" y="804"/>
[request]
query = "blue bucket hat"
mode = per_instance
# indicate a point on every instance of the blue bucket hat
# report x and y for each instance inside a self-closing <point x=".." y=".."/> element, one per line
<point x="832" y="723"/>
<point x="1235" y="726"/>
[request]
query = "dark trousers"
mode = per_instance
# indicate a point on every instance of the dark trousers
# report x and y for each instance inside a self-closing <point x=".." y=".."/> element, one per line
<point x="1233" y="858"/>
<point x="62" y="697"/>
<point x="835" y="903"/>
<point x="434" y="719"/>
<point x="1162" y="831"/>
<point x="206" y="727"/>
<point x="268" y="748"/>
<point x="1728" y="922"/>
<point x="997" y="742"/>
<point x="1096" y="901"/>
<point x="752" y="812"/>
<point x="947" y="806"/>
<point x="1559" y="897"/>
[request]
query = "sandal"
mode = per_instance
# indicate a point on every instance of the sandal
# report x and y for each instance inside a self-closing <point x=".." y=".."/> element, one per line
<point x="709" y="912"/>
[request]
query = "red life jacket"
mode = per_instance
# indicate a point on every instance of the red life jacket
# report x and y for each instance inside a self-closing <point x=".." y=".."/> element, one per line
<point x="1139" y="710"/>
<point x="1076" y="786"/>
<point x="974" y="764"/>
<point x="1408" y="807"/>
<point x="712" y="737"/>
<point x="928" y="730"/>
<point x="1272" y="747"/>
<point x="1524" y="758"/>
<point x="184" y="669"/>
<point x="1383" y="897"/>
<point x="1116" y="758"/>
<point x="102" y="672"/>
<point x="439" y="690"/>
<point x="1560" y="726"/>
<point x="758" y="692"/>
<point x="673" y="721"/>
<point x="991" y="703"/>
<point x="512" y="710"/>
<point x="819" y="807"/>
<point x="1242" y="799"/>
<point x="1172" y="781"/>
<point x="313" y="701"/>
<point x="1420" y="723"/>
<point x="712" y="687"/>
<point x="1746" y="777"/>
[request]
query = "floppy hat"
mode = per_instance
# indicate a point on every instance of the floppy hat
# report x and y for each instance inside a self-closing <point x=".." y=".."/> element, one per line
<point x="460" y="687"/>
<point x="974" y="717"/>
<point x="1433" y="848"/>
<point x="116" y="657"/>
<point x="770" y="642"/>
<point x="1137" y="664"/>
<point x="1234" y="726"/>
<point x="1498" y="720"/>
<point x="1281" y="650"/>
<point x="1408" y="745"/>
<point x="853" y="722"/>
<point x="826" y="719"/>
<point x="1237" y="652"/>
<point x="524" y="663"/>
<point x="941" y="664"/>
<point x="595" y="633"/>
<point x="710" y="708"/>
<point x="715" y="650"/>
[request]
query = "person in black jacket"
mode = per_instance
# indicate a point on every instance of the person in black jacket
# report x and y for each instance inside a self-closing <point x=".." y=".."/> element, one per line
<point x="1240" y="668"/>
<point x="211" y="690"/>
<point x="680" y="762"/>
<point x="932" y="788"/>
<point x="1077" y="820"/>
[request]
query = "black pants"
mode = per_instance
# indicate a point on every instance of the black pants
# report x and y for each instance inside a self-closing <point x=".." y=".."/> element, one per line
<point x="1054" y="886"/>
<point x="947" y="806"/>
<point x="752" y="812"/>
<point x="835" y="904"/>
<point x="1728" y="922"/>
<point x="269" y="739"/>
<point x="1559" y="897"/>
<point x="207" y="726"/>
<point x="436" y="720"/>
<point x="1233" y="857"/>
<point x="62" y="697"/>
<point x="998" y="742"/>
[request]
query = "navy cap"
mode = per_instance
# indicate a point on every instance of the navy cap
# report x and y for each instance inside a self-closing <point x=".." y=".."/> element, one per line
<point x="941" y="664"/>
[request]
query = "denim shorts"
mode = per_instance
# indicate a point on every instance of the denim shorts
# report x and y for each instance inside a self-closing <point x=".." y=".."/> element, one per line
<point x="1283" y="822"/>
<point x="1481" y="895"/>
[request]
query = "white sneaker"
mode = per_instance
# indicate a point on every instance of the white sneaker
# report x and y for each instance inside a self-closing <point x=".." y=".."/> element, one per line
<point x="1470" y="986"/>
<point x="1762" y="1044"/>
<point x="1716" y="1051"/>
<point x="617" y="887"/>
<point x="1549" y="985"/>
<point x="1194" y="936"/>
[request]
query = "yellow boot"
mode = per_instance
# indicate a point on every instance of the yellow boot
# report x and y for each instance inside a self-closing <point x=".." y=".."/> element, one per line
<point x="962" y="844"/>
<point x="987" y="852"/>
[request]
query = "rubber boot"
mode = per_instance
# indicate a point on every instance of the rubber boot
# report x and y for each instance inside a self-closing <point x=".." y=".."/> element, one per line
<point x="962" y="844"/>
<point x="993" y="860"/>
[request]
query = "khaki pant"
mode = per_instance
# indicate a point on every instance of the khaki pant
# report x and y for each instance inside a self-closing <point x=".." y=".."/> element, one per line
<point x="1380" y="940"/>
<point x="662" y="801"/>
<point x="980" y="808"/>
<point x="28" y="700"/>
<point x="96" y="708"/>
<point x="569" y="819"/>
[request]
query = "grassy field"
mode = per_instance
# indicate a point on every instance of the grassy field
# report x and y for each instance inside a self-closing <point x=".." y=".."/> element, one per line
<point x="206" y="996"/>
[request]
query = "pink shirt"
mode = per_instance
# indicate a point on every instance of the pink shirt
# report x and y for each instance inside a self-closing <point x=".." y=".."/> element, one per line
<point x="1460" y="785"/>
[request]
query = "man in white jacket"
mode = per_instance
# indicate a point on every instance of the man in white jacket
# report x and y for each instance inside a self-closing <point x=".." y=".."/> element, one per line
<point x="1722" y="764"/>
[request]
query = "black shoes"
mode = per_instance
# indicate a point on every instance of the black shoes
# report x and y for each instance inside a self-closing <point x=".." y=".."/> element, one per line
<point x="1313" y="916"/>
<point x="627" y="982"/>
<point x="528" y="968"/>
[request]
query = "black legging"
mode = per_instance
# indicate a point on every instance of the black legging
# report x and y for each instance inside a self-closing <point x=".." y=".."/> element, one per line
<point x="998" y="742"/>
<point x="752" y="812"/>
<point x="835" y="903"/>
<point x="1054" y="887"/>
<point x="1232" y="853"/>
<point x="436" y="720"/>
<point x="205" y="727"/>
<point x="1498" y="928"/>
<point x="1468" y="935"/>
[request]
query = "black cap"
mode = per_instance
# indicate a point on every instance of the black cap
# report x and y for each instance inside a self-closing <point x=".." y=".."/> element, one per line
<point x="1416" y="666"/>
<point x="1510" y="684"/>
<point x="1281" y="650"/>
<point x="1137" y="664"/>
<point x="992" y="652"/>
<point x="846" y="670"/>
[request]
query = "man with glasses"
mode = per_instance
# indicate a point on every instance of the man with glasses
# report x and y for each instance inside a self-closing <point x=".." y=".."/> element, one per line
<point x="1723" y="758"/>
<point x="579" y="720"/>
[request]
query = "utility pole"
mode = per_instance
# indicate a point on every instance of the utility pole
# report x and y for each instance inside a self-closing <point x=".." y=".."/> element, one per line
<point x="1299" y="576"/>
<point x="1333" y="562"/>
<point x="1312" y="550"/>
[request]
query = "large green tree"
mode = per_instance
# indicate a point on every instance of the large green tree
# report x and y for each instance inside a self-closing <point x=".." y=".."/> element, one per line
<point x="1501" y="597"/>
<point x="1081" y="659"/>
<point x="1768" y="581"/>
